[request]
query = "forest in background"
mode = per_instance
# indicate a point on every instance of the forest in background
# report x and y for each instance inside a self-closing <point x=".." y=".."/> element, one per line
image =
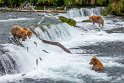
<point x="115" y="7"/>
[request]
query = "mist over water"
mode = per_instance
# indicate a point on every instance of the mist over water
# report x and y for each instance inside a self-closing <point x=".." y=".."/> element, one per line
<point x="48" y="63"/>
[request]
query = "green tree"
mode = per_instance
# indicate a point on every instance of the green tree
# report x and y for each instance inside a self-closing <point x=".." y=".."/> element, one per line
<point x="46" y="2"/>
<point x="1" y="2"/>
<point x="101" y="2"/>
<point x="115" y="7"/>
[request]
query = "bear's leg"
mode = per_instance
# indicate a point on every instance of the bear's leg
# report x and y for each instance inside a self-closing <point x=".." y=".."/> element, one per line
<point x="102" y="23"/>
<point x="14" y="37"/>
<point x="18" y="39"/>
<point x="99" y="24"/>
<point x="23" y="39"/>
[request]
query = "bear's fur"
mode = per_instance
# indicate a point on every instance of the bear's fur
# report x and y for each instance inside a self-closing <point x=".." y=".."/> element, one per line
<point x="97" y="19"/>
<point x="19" y="32"/>
<point x="97" y="65"/>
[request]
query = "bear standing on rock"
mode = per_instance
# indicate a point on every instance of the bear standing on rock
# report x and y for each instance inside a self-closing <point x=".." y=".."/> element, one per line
<point x="19" y="32"/>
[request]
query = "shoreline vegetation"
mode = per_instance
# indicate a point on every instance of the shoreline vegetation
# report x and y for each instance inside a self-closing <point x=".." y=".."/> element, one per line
<point x="113" y="7"/>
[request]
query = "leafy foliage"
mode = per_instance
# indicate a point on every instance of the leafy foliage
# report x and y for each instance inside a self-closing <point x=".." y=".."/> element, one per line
<point x="101" y="2"/>
<point x="116" y="7"/>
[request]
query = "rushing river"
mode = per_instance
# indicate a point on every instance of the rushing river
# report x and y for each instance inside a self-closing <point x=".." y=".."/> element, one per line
<point x="43" y="63"/>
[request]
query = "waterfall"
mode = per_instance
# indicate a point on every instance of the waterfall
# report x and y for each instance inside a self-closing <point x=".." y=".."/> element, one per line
<point x="55" y="31"/>
<point x="81" y="12"/>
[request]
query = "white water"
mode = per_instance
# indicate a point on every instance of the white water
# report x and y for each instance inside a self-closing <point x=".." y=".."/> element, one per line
<point x="18" y="19"/>
<point x="57" y="64"/>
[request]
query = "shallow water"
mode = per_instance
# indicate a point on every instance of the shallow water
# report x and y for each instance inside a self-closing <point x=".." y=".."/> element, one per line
<point x="56" y="65"/>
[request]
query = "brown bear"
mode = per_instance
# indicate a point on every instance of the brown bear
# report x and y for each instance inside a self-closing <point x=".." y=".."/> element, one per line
<point x="19" y="32"/>
<point x="97" y="65"/>
<point x="97" y="19"/>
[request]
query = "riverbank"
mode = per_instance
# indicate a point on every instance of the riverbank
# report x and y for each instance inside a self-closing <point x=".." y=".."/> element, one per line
<point x="6" y="9"/>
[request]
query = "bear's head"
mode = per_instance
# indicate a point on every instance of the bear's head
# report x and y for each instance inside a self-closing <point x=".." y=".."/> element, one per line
<point x="29" y="34"/>
<point x="93" y="61"/>
<point x="24" y="34"/>
<point x="90" y="17"/>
